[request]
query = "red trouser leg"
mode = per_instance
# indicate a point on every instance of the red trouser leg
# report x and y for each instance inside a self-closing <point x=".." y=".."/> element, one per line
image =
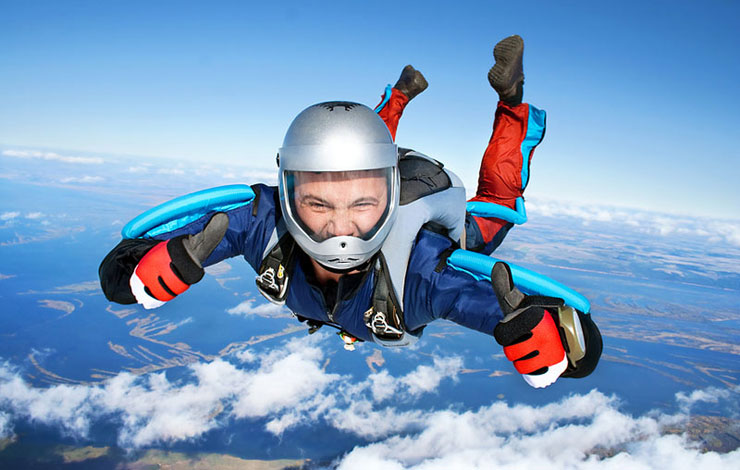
<point x="500" y="177"/>
<point x="390" y="111"/>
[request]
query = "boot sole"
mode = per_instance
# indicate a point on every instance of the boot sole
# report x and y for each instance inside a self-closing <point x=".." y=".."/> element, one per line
<point x="508" y="55"/>
<point x="412" y="82"/>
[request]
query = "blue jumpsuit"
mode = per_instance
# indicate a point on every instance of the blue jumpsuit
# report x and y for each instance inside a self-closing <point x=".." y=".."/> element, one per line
<point x="429" y="293"/>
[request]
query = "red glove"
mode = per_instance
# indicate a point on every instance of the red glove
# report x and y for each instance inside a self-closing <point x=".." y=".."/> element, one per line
<point x="542" y="337"/>
<point x="172" y="266"/>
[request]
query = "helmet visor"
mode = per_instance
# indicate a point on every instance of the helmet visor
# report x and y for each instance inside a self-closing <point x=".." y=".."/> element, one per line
<point x="340" y="203"/>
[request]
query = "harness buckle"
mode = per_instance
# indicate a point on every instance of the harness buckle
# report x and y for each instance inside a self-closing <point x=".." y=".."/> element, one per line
<point x="378" y="323"/>
<point x="266" y="281"/>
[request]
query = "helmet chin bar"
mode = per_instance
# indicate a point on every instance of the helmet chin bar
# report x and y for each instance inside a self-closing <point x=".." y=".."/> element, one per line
<point x="339" y="254"/>
<point x="359" y="267"/>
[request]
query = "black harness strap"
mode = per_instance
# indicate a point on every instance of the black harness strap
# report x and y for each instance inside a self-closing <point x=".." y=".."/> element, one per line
<point x="385" y="317"/>
<point x="276" y="270"/>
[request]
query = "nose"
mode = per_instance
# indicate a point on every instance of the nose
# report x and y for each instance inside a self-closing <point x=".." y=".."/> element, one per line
<point x="343" y="225"/>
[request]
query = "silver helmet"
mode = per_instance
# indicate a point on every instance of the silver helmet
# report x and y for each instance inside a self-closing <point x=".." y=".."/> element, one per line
<point x="339" y="182"/>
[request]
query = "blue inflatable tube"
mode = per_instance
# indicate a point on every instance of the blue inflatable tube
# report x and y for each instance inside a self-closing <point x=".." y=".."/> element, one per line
<point x="185" y="209"/>
<point x="386" y="98"/>
<point x="529" y="282"/>
<point x="490" y="209"/>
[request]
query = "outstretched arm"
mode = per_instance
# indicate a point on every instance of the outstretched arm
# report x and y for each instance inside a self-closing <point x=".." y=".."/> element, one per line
<point x="528" y="327"/>
<point x="152" y="270"/>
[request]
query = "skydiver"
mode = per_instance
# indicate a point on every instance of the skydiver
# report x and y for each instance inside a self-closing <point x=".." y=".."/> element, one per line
<point x="329" y="242"/>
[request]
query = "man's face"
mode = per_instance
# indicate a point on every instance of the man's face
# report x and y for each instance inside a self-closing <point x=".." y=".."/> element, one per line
<point x="340" y="203"/>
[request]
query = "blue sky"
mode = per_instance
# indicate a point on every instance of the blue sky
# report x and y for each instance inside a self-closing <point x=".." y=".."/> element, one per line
<point x="641" y="97"/>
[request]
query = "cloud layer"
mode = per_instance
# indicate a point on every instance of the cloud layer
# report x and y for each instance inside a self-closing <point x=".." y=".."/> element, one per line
<point x="287" y="385"/>
<point x="714" y="230"/>
<point x="579" y="432"/>
<point x="51" y="156"/>
<point x="290" y="386"/>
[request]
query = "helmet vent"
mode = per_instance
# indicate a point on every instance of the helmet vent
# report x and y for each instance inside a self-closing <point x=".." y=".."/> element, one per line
<point x="330" y="105"/>
<point x="348" y="259"/>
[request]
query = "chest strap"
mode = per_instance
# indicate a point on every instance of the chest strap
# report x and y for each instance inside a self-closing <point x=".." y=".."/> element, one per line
<point x="384" y="318"/>
<point x="276" y="270"/>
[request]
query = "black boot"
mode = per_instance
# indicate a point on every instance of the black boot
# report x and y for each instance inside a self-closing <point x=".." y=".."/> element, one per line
<point x="507" y="75"/>
<point x="411" y="82"/>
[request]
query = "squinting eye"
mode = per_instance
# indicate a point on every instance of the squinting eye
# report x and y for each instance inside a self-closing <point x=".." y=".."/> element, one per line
<point x="317" y="206"/>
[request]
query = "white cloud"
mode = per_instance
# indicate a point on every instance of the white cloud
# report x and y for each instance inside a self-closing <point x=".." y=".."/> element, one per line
<point x="264" y="309"/>
<point x="584" y="212"/>
<point x="34" y="215"/>
<point x="382" y="385"/>
<point x="51" y="156"/>
<point x="171" y="171"/>
<point x="424" y="379"/>
<point x="152" y="409"/>
<point x="367" y="421"/>
<point x="82" y="179"/>
<point x="68" y="407"/>
<point x="726" y="230"/>
<point x="709" y="395"/>
<point x="427" y="378"/>
<point x="260" y="176"/>
<point x="5" y="216"/>
<point x="6" y="428"/>
<point x="246" y="356"/>
<point x="285" y="378"/>
<point x="218" y="269"/>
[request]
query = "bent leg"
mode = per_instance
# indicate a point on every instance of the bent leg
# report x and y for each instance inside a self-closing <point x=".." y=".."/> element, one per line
<point x="504" y="171"/>
<point x="409" y="85"/>
<point x="391" y="108"/>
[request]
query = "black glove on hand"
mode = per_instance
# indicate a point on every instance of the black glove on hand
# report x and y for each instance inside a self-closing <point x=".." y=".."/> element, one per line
<point x="171" y="266"/>
<point x="541" y="336"/>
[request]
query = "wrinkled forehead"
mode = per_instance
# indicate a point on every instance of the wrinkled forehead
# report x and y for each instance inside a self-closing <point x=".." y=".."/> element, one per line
<point x="377" y="177"/>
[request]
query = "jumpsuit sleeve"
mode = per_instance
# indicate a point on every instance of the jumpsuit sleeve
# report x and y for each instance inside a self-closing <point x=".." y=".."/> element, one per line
<point x="435" y="290"/>
<point x="250" y="228"/>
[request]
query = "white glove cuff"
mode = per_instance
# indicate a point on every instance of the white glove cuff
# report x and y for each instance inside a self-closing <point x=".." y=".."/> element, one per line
<point x="549" y="377"/>
<point x="137" y="288"/>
